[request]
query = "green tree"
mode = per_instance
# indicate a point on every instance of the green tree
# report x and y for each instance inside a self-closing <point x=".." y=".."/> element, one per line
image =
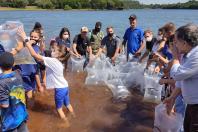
<point x="45" y="4"/>
<point x="67" y="7"/>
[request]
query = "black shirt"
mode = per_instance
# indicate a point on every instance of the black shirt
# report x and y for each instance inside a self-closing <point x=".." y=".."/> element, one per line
<point x="82" y="44"/>
<point x="149" y="45"/>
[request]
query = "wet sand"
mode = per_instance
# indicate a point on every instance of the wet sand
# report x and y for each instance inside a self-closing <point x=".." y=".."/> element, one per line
<point x="95" y="109"/>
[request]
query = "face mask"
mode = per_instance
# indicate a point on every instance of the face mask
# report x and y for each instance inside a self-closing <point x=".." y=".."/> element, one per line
<point x="36" y="41"/>
<point x="54" y="54"/>
<point x="148" y="39"/>
<point x="110" y="34"/>
<point x="97" y="29"/>
<point x="159" y="38"/>
<point x="65" y="36"/>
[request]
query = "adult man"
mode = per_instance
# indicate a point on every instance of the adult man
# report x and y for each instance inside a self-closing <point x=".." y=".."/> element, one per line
<point x="134" y="38"/>
<point x="81" y="43"/>
<point x="150" y="40"/>
<point x="96" y="37"/>
<point x="186" y="74"/>
<point x="112" y="43"/>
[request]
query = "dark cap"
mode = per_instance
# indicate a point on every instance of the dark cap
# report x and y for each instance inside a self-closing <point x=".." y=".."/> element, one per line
<point x="133" y="17"/>
<point x="6" y="60"/>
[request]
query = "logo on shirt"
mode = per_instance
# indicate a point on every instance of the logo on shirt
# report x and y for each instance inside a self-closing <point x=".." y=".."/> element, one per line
<point x="18" y="93"/>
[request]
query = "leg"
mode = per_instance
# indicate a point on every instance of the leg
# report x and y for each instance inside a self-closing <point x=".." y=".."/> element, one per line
<point x="194" y="118"/>
<point x="22" y="128"/>
<point x="59" y="100"/>
<point x="67" y="103"/>
<point x="61" y="113"/>
<point x="187" y="120"/>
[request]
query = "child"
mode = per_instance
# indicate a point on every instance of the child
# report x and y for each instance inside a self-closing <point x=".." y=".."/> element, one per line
<point x="55" y="77"/>
<point x="12" y="97"/>
<point x="29" y="72"/>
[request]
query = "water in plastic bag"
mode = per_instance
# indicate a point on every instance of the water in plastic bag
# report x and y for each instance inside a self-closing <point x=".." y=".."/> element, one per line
<point x="166" y="123"/>
<point x="76" y="64"/>
<point x="9" y="39"/>
<point x="152" y="89"/>
<point x="96" y="77"/>
<point x="118" y="89"/>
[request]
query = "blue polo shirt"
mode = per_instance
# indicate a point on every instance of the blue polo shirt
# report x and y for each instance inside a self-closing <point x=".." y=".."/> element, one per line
<point x="134" y="38"/>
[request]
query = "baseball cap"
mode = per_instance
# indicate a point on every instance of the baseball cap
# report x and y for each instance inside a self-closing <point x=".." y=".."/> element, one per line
<point x="133" y="17"/>
<point x="84" y="29"/>
<point x="6" y="60"/>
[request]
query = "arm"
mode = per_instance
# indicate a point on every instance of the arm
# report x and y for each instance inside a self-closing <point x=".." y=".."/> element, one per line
<point x="32" y="52"/>
<point x="74" y="49"/>
<point x="161" y="45"/>
<point x="161" y="58"/>
<point x="186" y="70"/>
<point x="141" y="47"/>
<point x="118" y="43"/>
<point x="146" y="53"/>
<point x="18" y="48"/>
<point x="4" y="97"/>
<point x="101" y="47"/>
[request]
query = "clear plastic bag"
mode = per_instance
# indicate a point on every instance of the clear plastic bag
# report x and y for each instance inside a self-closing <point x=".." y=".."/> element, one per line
<point x="166" y="123"/>
<point x="76" y="64"/>
<point x="96" y="77"/>
<point x="118" y="89"/>
<point x="9" y="40"/>
<point x="152" y="89"/>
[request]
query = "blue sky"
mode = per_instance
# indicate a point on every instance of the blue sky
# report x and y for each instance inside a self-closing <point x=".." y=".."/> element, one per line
<point x="161" y="1"/>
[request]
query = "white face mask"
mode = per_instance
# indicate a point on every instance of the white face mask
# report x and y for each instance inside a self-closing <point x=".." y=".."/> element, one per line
<point x="54" y="54"/>
<point x="159" y="38"/>
<point x="65" y="36"/>
<point x="148" y="39"/>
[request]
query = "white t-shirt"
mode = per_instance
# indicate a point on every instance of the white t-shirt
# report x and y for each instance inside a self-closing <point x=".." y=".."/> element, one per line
<point x="54" y="73"/>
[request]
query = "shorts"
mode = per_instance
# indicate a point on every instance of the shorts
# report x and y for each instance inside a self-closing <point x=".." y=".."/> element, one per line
<point x="21" y="128"/>
<point x="29" y="82"/>
<point x="61" y="97"/>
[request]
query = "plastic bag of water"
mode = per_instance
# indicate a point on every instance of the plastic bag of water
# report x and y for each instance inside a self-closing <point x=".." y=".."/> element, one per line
<point x="152" y="89"/>
<point x="167" y="123"/>
<point x="96" y="77"/>
<point x="9" y="40"/>
<point x="76" y="64"/>
<point x="118" y="89"/>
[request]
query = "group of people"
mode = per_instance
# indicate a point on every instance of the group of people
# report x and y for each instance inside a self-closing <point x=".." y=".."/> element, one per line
<point x="173" y="51"/>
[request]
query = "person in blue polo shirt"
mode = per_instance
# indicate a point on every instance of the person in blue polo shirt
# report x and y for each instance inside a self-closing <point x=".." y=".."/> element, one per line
<point x="133" y="38"/>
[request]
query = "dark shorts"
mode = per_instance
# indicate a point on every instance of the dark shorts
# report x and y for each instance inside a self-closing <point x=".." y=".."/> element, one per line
<point x="29" y="82"/>
<point x="61" y="97"/>
<point x="191" y="118"/>
<point x="20" y="128"/>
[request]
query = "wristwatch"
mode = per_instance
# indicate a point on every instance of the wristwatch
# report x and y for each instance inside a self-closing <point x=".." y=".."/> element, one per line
<point x="25" y="41"/>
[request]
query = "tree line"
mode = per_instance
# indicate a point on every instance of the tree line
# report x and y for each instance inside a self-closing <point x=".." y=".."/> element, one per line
<point x="95" y="4"/>
<point x="72" y="4"/>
